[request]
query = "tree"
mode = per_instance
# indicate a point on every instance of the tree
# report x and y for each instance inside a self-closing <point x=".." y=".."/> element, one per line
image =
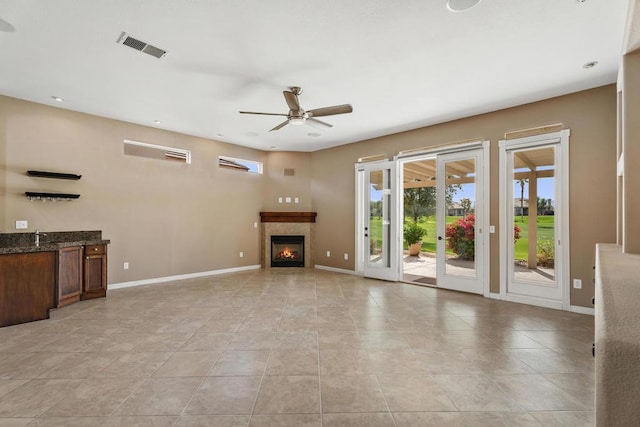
<point x="522" y="183"/>
<point x="419" y="202"/>
<point x="465" y="203"/>
<point x="376" y="209"/>
<point x="422" y="201"/>
<point x="542" y="206"/>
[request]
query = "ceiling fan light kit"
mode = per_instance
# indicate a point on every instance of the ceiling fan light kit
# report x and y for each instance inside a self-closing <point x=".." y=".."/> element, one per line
<point x="297" y="116"/>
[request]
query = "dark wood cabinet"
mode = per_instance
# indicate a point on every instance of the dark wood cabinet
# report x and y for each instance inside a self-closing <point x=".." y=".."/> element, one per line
<point x="95" y="272"/>
<point x="27" y="283"/>
<point x="69" y="276"/>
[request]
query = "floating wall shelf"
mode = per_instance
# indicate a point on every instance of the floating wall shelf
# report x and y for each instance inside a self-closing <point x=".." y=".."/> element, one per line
<point x="52" y="197"/>
<point x="56" y="175"/>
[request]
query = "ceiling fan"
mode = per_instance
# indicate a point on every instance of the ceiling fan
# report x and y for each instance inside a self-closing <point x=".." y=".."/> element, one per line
<point x="298" y="116"/>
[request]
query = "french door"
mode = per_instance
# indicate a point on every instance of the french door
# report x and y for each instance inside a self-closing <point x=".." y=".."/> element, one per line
<point x="535" y="235"/>
<point x="460" y="221"/>
<point x="378" y="206"/>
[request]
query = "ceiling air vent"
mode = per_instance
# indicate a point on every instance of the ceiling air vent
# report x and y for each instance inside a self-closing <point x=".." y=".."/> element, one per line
<point x="136" y="44"/>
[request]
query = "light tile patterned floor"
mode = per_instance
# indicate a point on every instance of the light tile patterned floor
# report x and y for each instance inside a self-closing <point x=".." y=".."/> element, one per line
<point x="297" y="347"/>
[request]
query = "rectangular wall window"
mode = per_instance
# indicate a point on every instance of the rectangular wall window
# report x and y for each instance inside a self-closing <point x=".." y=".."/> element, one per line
<point x="241" y="165"/>
<point x="159" y="152"/>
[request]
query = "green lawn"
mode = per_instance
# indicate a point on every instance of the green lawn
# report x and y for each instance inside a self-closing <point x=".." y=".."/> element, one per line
<point x="545" y="231"/>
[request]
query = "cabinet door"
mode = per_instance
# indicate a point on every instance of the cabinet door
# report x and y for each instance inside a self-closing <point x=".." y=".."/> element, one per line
<point x="69" y="275"/>
<point x="95" y="272"/>
<point x="27" y="285"/>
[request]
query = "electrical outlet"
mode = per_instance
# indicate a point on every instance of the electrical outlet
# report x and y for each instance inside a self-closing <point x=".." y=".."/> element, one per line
<point x="296" y="200"/>
<point x="255" y="225"/>
<point x="126" y="266"/>
<point x="279" y="199"/>
<point x="346" y="256"/>
<point x="241" y="254"/>
<point x="492" y="229"/>
<point x="22" y="224"/>
<point x="288" y="200"/>
<point x="577" y="284"/>
<point x="328" y="254"/>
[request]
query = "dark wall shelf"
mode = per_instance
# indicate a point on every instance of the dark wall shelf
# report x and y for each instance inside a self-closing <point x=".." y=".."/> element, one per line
<point x="56" y="175"/>
<point x="51" y="196"/>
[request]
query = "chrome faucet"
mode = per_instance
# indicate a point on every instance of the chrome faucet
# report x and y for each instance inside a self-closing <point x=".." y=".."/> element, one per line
<point x="38" y="234"/>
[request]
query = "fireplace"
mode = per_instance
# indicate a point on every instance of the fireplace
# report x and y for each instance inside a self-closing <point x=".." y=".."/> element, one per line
<point x="287" y="251"/>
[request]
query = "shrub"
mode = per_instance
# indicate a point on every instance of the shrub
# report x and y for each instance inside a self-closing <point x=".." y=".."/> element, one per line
<point x="413" y="233"/>
<point x="546" y="252"/>
<point x="461" y="236"/>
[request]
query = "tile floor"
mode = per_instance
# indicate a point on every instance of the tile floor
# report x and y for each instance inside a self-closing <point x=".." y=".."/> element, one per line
<point x="297" y="347"/>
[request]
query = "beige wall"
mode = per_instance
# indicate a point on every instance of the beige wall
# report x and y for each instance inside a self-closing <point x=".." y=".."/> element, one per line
<point x="281" y="186"/>
<point x="591" y="116"/>
<point x="164" y="218"/>
<point x="631" y="153"/>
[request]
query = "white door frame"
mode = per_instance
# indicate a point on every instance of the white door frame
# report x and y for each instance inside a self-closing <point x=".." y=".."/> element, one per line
<point x="391" y="272"/>
<point x="478" y="283"/>
<point x="561" y="140"/>
<point x="482" y="180"/>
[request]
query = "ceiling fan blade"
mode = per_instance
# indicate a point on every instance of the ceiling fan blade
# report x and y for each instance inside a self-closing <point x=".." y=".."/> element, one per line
<point x="263" y="114"/>
<point x="317" y="123"/>
<point x="292" y="100"/>
<point x="330" y="111"/>
<point x="281" y="125"/>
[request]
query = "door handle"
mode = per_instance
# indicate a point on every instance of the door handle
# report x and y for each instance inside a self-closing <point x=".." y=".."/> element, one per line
<point x="439" y="237"/>
<point x="366" y="235"/>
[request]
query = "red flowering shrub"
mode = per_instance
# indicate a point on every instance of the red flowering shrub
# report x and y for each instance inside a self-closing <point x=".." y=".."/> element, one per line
<point x="461" y="236"/>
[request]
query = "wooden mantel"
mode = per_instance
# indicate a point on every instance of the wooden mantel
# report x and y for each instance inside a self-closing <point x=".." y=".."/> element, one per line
<point x="288" y="216"/>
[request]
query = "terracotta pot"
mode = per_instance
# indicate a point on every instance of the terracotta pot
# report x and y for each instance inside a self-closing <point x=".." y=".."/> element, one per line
<point x="414" y="249"/>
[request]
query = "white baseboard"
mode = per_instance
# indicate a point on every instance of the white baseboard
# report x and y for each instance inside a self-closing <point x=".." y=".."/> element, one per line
<point x="180" y="277"/>
<point x="494" y="295"/>
<point x="337" y="270"/>
<point x="539" y="302"/>
<point x="582" y="310"/>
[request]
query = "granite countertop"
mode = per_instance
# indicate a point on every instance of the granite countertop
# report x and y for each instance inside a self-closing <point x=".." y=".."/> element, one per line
<point x="14" y="243"/>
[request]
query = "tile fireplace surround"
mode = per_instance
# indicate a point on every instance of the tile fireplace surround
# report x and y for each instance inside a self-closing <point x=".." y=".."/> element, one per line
<point x="287" y="224"/>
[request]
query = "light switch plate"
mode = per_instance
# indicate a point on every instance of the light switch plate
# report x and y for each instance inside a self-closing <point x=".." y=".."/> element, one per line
<point x="288" y="200"/>
<point x="279" y="199"/>
<point x="328" y="253"/>
<point x="296" y="200"/>
<point x="492" y="229"/>
<point x="126" y="266"/>
<point x="22" y="224"/>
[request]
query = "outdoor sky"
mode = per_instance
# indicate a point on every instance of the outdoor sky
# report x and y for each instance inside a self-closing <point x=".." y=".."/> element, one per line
<point x="545" y="190"/>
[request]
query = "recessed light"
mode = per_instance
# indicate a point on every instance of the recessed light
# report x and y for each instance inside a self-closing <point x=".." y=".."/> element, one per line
<point x="252" y="133"/>
<point x="219" y="134"/>
<point x="313" y="134"/>
<point x="461" y="5"/>
<point x="273" y="147"/>
<point x="57" y="98"/>
<point x="157" y="122"/>
<point x="589" y="65"/>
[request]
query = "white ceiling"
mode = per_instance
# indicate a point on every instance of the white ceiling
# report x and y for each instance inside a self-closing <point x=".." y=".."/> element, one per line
<point x="402" y="64"/>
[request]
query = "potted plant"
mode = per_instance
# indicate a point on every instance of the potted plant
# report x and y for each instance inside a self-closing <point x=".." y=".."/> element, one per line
<point x="413" y="236"/>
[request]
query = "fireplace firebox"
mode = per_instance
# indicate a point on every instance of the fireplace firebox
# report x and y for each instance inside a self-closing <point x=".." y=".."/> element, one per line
<point x="287" y="251"/>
